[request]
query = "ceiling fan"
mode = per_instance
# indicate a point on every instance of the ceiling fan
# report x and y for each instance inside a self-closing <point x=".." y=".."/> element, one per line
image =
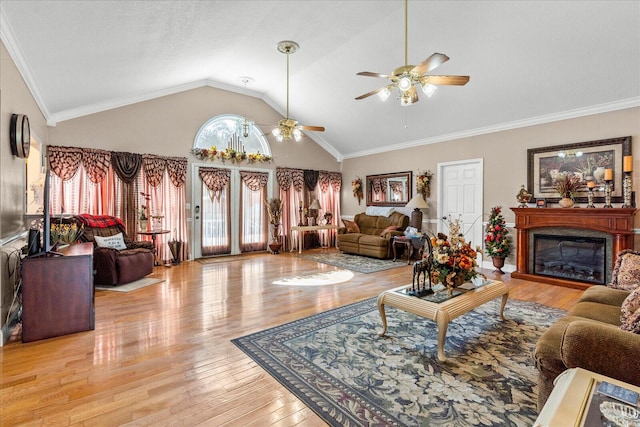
<point x="287" y="127"/>
<point x="407" y="77"/>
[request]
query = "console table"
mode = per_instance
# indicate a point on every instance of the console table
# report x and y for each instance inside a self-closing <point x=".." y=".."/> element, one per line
<point x="301" y="229"/>
<point x="58" y="293"/>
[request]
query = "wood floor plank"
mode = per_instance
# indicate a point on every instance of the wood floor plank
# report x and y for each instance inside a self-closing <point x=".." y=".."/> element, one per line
<point x="162" y="355"/>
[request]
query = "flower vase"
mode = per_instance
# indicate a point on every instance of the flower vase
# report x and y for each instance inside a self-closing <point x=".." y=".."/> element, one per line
<point x="498" y="263"/>
<point x="275" y="232"/>
<point x="143" y="224"/>
<point x="566" y="202"/>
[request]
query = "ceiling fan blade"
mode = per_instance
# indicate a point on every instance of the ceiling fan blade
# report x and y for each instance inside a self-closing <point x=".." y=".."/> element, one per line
<point x="430" y="63"/>
<point x="446" y="80"/>
<point x="370" y="74"/>
<point x="373" y="92"/>
<point x="313" y="128"/>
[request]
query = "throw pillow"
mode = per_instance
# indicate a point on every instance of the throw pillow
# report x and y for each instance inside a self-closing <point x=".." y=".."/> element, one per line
<point x="352" y="227"/>
<point x="116" y="242"/>
<point x="626" y="273"/>
<point x="630" y="313"/>
<point x="388" y="229"/>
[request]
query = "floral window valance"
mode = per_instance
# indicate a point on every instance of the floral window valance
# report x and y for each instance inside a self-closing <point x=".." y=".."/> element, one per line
<point x="298" y="177"/>
<point x="254" y="180"/>
<point x="215" y="179"/>
<point x="65" y="162"/>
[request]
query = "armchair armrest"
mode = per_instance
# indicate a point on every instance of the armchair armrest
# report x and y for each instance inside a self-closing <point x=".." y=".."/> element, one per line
<point x="136" y="244"/>
<point x="601" y="348"/>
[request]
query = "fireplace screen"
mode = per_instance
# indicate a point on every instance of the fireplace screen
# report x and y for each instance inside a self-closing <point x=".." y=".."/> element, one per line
<point x="570" y="257"/>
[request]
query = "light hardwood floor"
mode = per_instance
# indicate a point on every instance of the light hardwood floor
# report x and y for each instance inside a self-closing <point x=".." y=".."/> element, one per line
<point x="162" y="355"/>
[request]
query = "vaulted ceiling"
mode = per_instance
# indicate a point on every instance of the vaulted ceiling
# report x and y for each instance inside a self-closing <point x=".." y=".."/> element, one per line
<point x="530" y="61"/>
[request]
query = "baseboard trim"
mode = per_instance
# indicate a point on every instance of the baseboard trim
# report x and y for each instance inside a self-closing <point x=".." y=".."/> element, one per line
<point x="8" y="327"/>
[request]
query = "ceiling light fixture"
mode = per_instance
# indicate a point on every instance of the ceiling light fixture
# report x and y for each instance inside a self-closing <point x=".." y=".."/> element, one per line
<point x="288" y="128"/>
<point x="407" y="77"/>
<point x="245" y="125"/>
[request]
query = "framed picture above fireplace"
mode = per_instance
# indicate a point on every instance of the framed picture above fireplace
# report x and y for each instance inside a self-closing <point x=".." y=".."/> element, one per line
<point x="587" y="160"/>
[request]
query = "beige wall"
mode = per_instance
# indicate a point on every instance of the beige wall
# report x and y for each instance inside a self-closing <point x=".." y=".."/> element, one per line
<point x="15" y="99"/>
<point x="504" y="154"/>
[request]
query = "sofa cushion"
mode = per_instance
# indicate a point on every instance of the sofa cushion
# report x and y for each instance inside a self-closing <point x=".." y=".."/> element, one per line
<point x="116" y="242"/>
<point x="626" y="273"/>
<point x="366" y="240"/>
<point x="604" y="295"/>
<point x="352" y="227"/>
<point x="630" y="313"/>
<point x="604" y="313"/>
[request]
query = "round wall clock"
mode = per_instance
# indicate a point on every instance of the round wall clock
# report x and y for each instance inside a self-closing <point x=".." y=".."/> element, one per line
<point x="20" y="135"/>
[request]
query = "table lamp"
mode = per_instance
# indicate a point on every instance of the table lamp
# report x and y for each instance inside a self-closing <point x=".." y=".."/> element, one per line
<point x="313" y="211"/>
<point x="417" y="202"/>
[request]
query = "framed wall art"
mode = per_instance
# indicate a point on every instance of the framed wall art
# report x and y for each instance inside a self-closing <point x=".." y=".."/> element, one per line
<point x="587" y="160"/>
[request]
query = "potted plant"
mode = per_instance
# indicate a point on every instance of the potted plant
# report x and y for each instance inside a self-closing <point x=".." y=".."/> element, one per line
<point x="274" y="209"/>
<point x="496" y="242"/>
<point x="566" y="184"/>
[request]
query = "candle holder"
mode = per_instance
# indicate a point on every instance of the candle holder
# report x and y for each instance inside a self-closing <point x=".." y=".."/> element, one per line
<point x="590" y="198"/>
<point x="300" y="223"/>
<point x="626" y="190"/>
<point x="607" y="193"/>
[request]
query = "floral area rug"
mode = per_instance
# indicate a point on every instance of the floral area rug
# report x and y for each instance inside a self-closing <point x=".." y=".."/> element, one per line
<point x="361" y="264"/>
<point x="336" y="363"/>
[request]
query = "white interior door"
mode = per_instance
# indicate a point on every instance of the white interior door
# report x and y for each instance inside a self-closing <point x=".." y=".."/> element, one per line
<point x="460" y="195"/>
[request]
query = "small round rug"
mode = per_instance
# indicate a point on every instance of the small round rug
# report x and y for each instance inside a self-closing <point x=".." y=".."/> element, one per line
<point x="317" y="279"/>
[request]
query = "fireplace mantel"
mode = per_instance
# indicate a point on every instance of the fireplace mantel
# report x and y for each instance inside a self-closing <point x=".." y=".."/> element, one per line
<point x="618" y="222"/>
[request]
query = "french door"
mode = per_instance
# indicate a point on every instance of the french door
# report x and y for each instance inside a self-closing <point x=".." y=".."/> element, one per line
<point x="231" y="219"/>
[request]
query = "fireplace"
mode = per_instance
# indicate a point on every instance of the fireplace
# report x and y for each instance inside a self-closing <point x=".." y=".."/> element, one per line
<point x="570" y="257"/>
<point x="614" y="225"/>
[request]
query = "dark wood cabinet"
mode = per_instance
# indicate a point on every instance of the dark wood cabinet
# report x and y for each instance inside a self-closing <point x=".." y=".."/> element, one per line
<point x="58" y="294"/>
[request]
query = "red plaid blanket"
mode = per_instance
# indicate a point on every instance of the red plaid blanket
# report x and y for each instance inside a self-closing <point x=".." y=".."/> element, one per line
<point x="100" y="221"/>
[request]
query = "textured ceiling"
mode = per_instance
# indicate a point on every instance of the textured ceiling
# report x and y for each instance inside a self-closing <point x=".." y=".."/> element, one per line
<point x="529" y="61"/>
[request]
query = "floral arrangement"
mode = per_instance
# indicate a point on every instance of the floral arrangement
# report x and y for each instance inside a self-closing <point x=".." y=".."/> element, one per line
<point x="66" y="233"/>
<point x="453" y="259"/>
<point x="423" y="181"/>
<point x="274" y="209"/>
<point x="229" y="154"/>
<point x="142" y="212"/>
<point x="356" y="186"/>
<point x="496" y="241"/>
<point x="566" y="184"/>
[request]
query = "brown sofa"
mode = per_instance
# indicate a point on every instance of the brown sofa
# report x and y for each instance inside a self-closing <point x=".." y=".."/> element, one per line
<point x="589" y="337"/>
<point x="112" y="266"/>
<point x="371" y="241"/>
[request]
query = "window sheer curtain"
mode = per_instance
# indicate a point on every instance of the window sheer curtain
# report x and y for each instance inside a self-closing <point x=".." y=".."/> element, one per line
<point x="294" y="191"/>
<point x="100" y="182"/>
<point x="253" y="214"/>
<point x="216" y="225"/>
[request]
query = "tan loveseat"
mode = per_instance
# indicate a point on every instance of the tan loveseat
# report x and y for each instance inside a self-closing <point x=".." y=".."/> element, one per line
<point x="370" y="240"/>
<point x="589" y="337"/>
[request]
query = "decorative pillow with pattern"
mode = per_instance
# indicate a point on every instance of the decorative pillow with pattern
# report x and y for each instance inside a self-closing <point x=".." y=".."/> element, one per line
<point x="116" y="242"/>
<point x="388" y="229"/>
<point x="626" y="273"/>
<point x="352" y="227"/>
<point x="630" y="313"/>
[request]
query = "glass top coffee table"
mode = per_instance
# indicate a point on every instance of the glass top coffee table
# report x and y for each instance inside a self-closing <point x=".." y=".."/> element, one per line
<point x="442" y="312"/>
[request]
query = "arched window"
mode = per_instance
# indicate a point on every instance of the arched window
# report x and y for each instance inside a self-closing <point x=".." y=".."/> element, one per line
<point x="232" y="131"/>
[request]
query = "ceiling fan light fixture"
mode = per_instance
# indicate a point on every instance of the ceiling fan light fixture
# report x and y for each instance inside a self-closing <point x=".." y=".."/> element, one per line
<point x="429" y="89"/>
<point x="297" y="134"/>
<point x="404" y="83"/>
<point x="405" y="101"/>
<point x="384" y="94"/>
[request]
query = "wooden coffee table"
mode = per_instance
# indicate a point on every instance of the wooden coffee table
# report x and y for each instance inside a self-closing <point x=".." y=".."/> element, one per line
<point x="444" y="312"/>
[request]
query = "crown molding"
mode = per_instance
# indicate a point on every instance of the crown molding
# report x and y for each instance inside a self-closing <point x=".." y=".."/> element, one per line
<point x="548" y="118"/>
<point x="13" y="47"/>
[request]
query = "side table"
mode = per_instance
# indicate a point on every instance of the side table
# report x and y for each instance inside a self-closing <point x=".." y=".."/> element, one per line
<point x="154" y="234"/>
<point x="411" y="245"/>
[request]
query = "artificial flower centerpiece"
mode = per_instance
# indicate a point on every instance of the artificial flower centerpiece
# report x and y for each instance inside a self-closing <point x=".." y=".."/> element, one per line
<point x="453" y="259"/>
<point x="496" y="242"/>
<point x="356" y="186"/>
<point x="423" y="182"/>
<point x="65" y="234"/>
<point x="566" y="184"/>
